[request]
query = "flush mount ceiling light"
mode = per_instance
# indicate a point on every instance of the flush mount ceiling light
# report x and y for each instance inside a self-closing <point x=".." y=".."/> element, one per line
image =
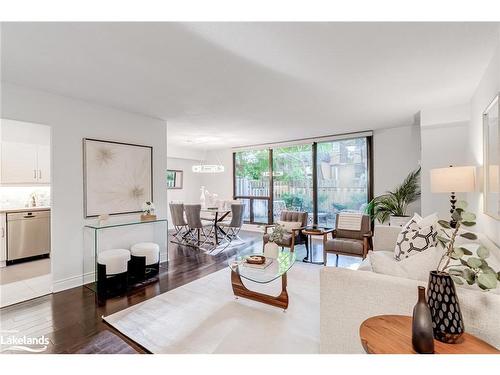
<point x="208" y="168"/>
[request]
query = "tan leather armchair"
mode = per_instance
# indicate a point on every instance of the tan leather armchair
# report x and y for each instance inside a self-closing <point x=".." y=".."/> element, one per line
<point x="296" y="237"/>
<point x="349" y="242"/>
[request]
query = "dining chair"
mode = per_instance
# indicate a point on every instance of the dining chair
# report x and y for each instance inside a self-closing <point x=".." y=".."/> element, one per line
<point x="180" y="224"/>
<point x="195" y="225"/>
<point x="232" y="228"/>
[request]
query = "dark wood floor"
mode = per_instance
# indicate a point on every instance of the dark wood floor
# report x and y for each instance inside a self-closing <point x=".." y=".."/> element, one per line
<point x="71" y="319"/>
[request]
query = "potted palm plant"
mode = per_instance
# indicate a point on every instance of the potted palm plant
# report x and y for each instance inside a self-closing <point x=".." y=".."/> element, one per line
<point x="393" y="205"/>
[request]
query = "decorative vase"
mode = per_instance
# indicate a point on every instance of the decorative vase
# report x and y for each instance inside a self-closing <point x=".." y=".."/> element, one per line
<point x="203" y="199"/>
<point x="422" y="337"/>
<point x="447" y="322"/>
<point x="271" y="250"/>
<point x="398" y="221"/>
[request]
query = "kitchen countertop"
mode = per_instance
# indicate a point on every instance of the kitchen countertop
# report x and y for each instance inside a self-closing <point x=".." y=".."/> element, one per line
<point x="24" y="209"/>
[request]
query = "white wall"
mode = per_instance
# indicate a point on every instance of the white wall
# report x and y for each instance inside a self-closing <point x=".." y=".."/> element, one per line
<point x="488" y="87"/>
<point x="190" y="192"/>
<point x="220" y="183"/>
<point x="444" y="139"/>
<point x="396" y="152"/>
<point x="71" y="120"/>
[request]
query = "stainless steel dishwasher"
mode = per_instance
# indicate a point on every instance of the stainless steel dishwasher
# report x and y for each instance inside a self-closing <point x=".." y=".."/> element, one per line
<point x="28" y="234"/>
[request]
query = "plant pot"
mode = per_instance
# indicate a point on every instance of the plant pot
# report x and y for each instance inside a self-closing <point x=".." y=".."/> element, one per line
<point x="271" y="250"/>
<point x="398" y="221"/>
<point x="447" y="322"/>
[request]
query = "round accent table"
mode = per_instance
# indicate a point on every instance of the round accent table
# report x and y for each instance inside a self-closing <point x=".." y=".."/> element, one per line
<point x="391" y="334"/>
<point x="310" y="231"/>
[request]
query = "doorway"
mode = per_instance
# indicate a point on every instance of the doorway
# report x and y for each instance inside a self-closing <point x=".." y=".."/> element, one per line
<point x="25" y="211"/>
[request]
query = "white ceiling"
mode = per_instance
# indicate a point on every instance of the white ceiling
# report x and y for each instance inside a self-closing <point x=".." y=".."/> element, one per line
<point x="233" y="84"/>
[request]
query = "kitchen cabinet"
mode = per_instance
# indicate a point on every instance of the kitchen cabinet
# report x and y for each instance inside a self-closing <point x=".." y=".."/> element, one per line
<point x="43" y="162"/>
<point x="24" y="163"/>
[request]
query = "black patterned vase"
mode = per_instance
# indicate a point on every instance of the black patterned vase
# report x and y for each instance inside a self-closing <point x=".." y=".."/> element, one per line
<point x="447" y="322"/>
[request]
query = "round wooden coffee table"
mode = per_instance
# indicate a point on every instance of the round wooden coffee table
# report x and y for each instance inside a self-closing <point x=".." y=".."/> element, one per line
<point x="391" y="334"/>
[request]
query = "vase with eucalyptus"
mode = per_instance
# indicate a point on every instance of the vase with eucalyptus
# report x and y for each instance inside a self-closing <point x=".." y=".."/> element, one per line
<point x="271" y="248"/>
<point x="458" y="265"/>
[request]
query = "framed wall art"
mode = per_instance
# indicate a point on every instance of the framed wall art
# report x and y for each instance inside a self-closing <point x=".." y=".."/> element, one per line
<point x="117" y="177"/>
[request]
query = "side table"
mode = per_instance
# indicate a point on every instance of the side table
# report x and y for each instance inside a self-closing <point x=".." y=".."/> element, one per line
<point x="311" y="231"/>
<point x="391" y="334"/>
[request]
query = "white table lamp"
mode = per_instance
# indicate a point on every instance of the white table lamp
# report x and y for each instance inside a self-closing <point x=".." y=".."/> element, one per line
<point x="453" y="180"/>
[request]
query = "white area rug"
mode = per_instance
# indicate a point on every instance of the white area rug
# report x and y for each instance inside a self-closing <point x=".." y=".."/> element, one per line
<point x="204" y="317"/>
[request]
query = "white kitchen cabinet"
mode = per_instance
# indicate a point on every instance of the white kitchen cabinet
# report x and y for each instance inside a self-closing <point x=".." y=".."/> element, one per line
<point x="25" y="163"/>
<point x="19" y="163"/>
<point x="3" y="239"/>
<point x="43" y="162"/>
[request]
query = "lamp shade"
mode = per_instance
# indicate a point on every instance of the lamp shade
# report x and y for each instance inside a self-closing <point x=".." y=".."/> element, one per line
<point x="453" y="179"/>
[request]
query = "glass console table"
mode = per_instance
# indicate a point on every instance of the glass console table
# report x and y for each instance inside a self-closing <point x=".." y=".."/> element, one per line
<point x="90" y="272"/>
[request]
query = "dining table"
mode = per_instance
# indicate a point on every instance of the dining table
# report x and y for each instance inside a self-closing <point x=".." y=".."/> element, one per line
<point x="217" y="215"/>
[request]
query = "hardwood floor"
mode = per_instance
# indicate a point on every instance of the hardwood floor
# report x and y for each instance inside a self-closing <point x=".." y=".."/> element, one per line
<point x="71" y="319"/>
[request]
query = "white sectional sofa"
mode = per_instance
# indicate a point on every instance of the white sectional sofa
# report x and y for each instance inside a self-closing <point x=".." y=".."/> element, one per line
<point x="348" y="297"/>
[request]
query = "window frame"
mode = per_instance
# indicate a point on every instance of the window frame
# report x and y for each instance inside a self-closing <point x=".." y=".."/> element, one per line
<point x="314" y="151"/>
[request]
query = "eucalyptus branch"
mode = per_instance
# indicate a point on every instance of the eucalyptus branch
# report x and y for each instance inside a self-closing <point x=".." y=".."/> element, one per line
<point x="472" y="269"/>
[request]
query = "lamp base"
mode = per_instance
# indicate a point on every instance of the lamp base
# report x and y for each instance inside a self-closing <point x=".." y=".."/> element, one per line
<point x="453" y="200"/>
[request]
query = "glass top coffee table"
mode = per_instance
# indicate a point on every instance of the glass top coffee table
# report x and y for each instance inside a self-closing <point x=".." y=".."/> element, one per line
<point x="272" y="270"/>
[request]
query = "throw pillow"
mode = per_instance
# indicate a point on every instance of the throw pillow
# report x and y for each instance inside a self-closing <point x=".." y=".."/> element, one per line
<point x="414" y="239"/>
<point x="290" y="225"/>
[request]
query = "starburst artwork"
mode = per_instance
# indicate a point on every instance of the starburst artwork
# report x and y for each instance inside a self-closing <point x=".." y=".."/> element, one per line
<point x="118" y="177"/>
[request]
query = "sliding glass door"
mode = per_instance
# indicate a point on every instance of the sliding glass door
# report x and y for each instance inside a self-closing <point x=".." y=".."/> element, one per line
<point x="292" y="179"/>
<point x="342" y="178"/>
<point x="252" y="184"/>
<point x="322" y="178"/>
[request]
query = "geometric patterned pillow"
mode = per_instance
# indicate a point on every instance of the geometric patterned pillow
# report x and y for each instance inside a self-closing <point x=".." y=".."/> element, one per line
<point x="414" y="239"/>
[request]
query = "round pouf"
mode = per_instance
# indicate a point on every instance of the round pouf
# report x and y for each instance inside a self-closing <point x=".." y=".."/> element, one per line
<point x="150" y="250"/>
<point x="145" y="259"/>
<point x="112" y="271"/>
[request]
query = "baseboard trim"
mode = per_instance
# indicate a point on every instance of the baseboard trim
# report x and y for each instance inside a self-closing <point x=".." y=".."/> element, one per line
<point x="67" y="283"/>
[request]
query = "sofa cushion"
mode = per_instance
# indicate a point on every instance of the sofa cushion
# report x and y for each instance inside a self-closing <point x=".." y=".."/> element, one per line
<point x="344" y="245"/>
<point x="416" y="267"/>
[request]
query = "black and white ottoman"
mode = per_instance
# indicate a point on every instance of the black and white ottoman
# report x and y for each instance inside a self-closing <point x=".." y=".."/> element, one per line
<point x="112" y="272"/>
<point x="145" y="260"/>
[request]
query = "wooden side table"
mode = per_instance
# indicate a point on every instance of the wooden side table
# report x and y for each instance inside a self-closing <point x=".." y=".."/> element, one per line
<point x="391" y="334"/>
